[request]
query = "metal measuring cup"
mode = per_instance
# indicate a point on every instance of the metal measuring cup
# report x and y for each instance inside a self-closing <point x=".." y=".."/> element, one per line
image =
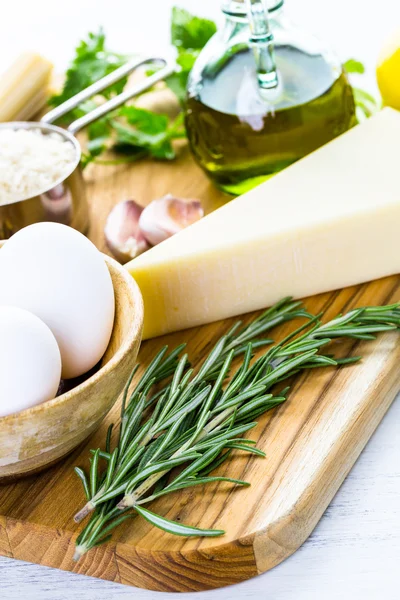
<point x="66" y="201"/>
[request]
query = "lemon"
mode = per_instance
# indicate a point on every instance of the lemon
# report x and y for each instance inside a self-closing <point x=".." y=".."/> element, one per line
<point x="388" y="71"/>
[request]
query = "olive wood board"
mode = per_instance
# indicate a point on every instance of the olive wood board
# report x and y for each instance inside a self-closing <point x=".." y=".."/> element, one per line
<point x="311" y="442"/>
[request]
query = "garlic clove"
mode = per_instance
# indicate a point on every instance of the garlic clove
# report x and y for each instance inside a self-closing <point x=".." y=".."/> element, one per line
<point x="122" y="232"/>
<point x="166" y="216"/>
<point x="161" y="100"/>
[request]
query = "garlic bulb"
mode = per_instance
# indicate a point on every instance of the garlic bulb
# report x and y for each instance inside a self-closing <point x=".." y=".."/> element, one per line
<point x="166" y="216"/>
<point x="122" y="232"/>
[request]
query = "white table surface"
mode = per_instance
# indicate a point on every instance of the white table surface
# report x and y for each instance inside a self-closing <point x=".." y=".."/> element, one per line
<point x="354" y="551"/>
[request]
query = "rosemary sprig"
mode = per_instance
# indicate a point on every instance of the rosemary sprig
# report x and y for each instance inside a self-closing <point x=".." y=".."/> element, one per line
<point x="196" y="419"/>
<point x="169" y="406"/>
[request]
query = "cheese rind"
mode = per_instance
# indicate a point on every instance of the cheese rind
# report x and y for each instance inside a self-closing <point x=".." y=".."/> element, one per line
<point x="329" y="221"/>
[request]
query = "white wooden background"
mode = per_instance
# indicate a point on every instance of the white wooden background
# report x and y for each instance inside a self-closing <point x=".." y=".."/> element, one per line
<point x="355" y="550"/>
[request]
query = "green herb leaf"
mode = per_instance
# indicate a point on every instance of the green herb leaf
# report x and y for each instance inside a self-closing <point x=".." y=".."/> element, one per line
<point x="366" y="104"/>
<point x="151" y="132"/>
<point x="176" y="528"/>
<point x="189" y="35"/>
<point x="133" y="140"/>
<point x="91" y="62"/>
<point x="177" y="83"/>
<point x="354" y="66"/>
<point x="186" y="59"/>
<point x="82" y="476"/>
<point x="189" y="31"/>
<point x="145" y="120"/>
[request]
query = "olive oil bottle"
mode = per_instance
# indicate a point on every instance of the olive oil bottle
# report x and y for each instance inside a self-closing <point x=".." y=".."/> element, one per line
<point x="241" y="134"/>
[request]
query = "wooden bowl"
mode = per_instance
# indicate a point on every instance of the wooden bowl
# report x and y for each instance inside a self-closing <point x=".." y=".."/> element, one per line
<point x="39" y="436"/>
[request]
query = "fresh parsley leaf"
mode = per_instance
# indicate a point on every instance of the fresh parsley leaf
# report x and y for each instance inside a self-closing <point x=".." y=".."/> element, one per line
<point x="366" y="104"/>
<point x="177" y="83"/>
<point x="189" y="34"/>
<point x="187" y="58"/>
<point x="354" y="66"/>
<point x="100" y="128"/>
<point x="98" y="134"/>
<point x="158" y="145"/>
<point x="91" y="62"/>
<point x="188" y="31"/>
<point x="147" y="131"/>
<point x="145" y="120"/>
<point x="98" y="138"/>
<point x="363" y="96"/>
<point x="95" y="147"/>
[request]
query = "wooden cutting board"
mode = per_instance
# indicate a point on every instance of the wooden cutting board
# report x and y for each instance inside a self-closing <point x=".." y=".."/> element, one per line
<point x="311" y="442"/>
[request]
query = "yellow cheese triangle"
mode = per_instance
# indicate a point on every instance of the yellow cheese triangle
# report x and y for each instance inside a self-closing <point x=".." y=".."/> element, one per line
<point x="330" y="220"/>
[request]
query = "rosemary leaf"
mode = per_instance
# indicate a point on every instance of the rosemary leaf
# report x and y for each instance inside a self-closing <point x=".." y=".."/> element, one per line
<point x="174" y="527"/>
<point x="82" y="476"/>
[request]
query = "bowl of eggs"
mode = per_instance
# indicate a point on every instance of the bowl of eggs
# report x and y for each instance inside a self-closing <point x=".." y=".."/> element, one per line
<point x="70" y="329"/>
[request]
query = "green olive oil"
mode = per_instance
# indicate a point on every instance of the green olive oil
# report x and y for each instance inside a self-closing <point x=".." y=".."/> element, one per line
<point x="241" y="138"/>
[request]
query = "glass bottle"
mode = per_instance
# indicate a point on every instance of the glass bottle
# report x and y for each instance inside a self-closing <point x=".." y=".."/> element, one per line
<point x="262" y="94"/>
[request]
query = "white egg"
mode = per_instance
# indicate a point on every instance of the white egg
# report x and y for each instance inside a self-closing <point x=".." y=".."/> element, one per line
<point x="30" y="361"/>
<point x="56" y="273"/>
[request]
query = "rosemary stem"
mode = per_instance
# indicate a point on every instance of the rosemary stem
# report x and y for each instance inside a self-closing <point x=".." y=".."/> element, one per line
<point x="80" y="550"/>
<point x="218" y="420"/>
<point x="84" y="512"/>
<point x="129" y="500"/>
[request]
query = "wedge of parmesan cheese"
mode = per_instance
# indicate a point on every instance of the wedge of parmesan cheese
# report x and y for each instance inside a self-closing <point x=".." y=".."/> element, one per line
<point x="329" y="221"/>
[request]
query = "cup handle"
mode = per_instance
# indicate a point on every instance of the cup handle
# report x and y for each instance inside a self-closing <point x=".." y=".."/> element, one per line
<point x="167" y="68"/>
<point x="262" y="43"/>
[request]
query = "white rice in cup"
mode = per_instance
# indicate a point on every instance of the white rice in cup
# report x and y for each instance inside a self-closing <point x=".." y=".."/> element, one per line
<point x="31" y="162"/>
